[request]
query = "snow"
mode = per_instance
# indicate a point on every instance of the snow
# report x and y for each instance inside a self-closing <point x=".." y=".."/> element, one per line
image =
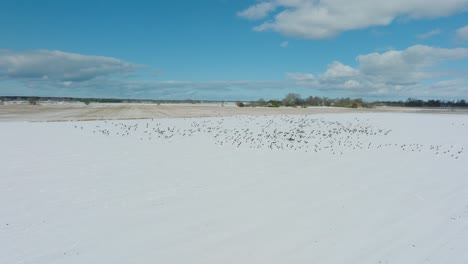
<point x="329" y="188"/>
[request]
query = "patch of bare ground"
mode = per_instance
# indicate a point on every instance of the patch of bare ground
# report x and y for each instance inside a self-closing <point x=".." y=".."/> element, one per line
<point x="76" y="112"/>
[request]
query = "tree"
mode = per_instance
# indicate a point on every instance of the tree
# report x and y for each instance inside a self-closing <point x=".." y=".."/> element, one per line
<point x="461" y="103"/>
<point x="326" y="101"/>
<point x="433" y="103"/>
<point x="273" y="103"/>
<point x="291" y="99"/>
<point x="33" y="100"/>
<point x="261" y="102"/>
<point x="314" y="101"/>
<point x="412" y="102"/>
<point x="240" y="104"/>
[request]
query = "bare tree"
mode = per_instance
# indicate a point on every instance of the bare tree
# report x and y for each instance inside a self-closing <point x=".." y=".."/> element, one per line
<point x="33" y="100"/>
<point x="291" y="99"/>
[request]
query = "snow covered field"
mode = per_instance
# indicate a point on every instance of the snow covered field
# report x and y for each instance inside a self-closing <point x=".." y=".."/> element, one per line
<point x="330" y="188"/>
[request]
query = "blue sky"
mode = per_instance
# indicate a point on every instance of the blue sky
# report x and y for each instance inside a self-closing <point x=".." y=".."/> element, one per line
<point x="235" y="50"/>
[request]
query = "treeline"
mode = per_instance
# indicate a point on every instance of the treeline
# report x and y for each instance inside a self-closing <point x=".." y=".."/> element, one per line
<point x="412" y="102"/>
<point x="295" y="100"/>
<point x="33" y="100"/>
<point x="142" y="101"/>
<point x="290" y="100"/>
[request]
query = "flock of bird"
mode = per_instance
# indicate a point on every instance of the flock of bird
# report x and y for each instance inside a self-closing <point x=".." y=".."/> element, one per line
<point x="295" y="133"/>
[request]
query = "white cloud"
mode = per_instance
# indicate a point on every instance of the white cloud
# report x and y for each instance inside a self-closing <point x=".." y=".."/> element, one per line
<point x="450" y="83"/>
<point x="147" y="89"/>
<point x="349" y="84"/>
<point x="284" y="44"/>
<point x="407" y="66"/>
<point x="59" y="66"/>
<point x="462" y="33"/>
<point x="258" y="11"/>
<point x="339" y="70"/>
<point x="300" y="76"/>
<point x="324" y="19"/>
<point x="429" y="34"/>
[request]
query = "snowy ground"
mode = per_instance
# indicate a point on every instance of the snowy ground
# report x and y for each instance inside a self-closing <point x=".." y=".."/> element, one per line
<point x="330" y="188"/>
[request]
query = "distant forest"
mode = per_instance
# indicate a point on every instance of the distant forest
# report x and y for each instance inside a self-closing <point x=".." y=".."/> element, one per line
<point x="295" y="100"/>
<point x="33" y="100"/>
<point x="290" y="100"/>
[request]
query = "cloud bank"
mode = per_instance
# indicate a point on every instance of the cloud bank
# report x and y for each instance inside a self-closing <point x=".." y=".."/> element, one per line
<point x="59" y="65"/>
<point x="417" y="71"/>
<point x="258" y="11"/>
<point x="392" y="72"/>
<point x="429" y="34"/>
<point x="462" y="33"/>
<point x="313" y="19"/>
